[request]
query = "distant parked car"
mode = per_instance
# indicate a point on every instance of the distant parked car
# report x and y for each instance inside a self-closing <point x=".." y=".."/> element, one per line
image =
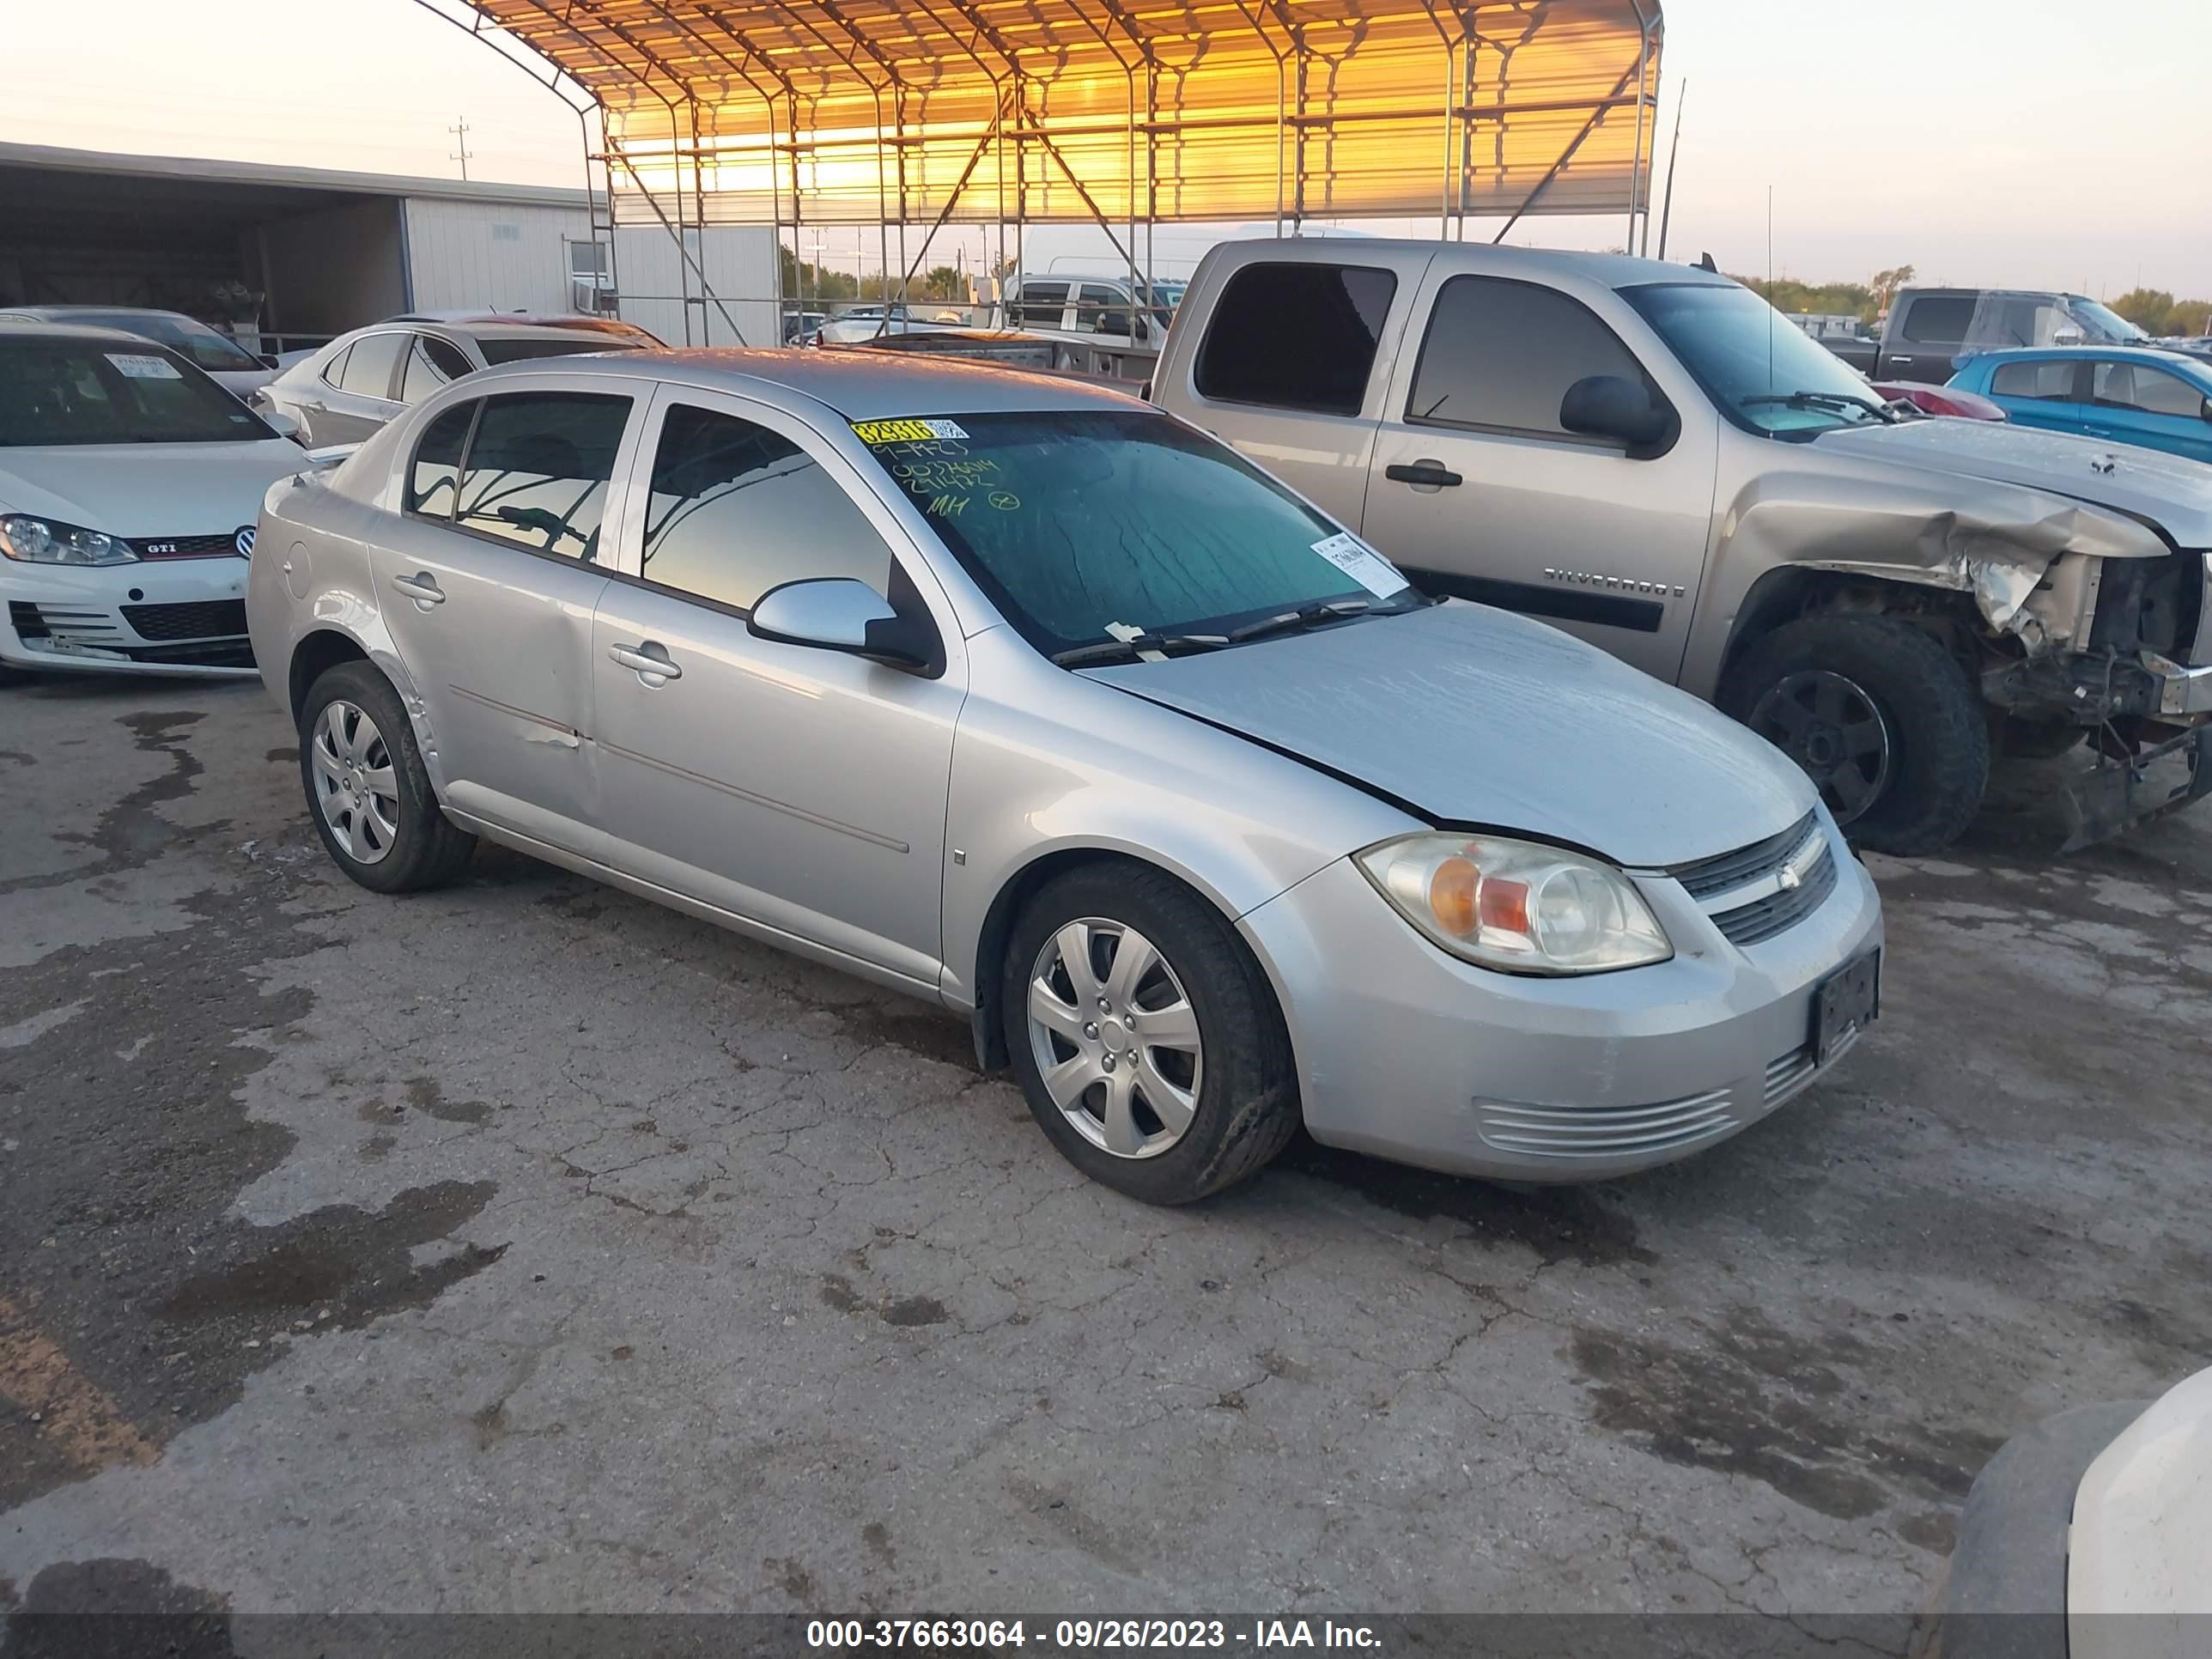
<point x="2158" y="399"/>
<point x="858" y="323"/>
<point x="130" y="483"/>
<point x="613" y="327"/>
<point x="1951" y="400"/>
<point x="1928" y="330"/>
<point x="229" y="364"/>
<point x="359" y="380"/>
<point x="1010" y="693"/>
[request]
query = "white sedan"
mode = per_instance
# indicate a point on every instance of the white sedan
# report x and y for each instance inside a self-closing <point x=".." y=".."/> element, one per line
<point x="130" y="483"/>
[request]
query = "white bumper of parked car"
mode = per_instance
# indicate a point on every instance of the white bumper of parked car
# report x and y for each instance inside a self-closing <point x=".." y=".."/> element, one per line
<point x="2141" y="1543"/>
<point x="1415" y="1056"/>
<point x="157" y="616"/>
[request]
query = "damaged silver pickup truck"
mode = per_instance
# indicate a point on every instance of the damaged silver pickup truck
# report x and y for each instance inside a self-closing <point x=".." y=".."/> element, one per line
<point x="1650" y="456"/>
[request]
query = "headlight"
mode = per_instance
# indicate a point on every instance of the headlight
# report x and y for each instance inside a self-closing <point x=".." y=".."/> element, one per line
<point x="1517" y="905"/>
<point x="44" y="541"/>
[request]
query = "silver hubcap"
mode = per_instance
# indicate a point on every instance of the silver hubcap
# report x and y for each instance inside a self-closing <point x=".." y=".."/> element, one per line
<point x="1116" y="1038"/>
<point x="356" y="789"/>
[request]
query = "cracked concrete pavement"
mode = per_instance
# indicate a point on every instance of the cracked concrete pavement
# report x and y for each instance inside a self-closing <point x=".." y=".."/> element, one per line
<point x="526" y="1247"/>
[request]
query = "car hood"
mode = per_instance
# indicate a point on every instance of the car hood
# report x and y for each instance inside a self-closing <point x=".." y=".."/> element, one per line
<point x="2166" y="490"/>
<point x="240" y="381"/>
<point x="1473" y="716"/>
<point x="148" y="489"/>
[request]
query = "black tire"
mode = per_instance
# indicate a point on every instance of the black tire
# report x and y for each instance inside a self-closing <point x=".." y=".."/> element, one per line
<point x="427" y="850"/>
<point x="1248" y="1105"/>
<point x="1936" y="765"/>
<point x="2040" y="740"/>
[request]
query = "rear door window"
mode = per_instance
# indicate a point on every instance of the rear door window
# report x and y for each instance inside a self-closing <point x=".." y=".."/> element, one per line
<point x="1295" y="336"/>
<point x="438" y="463"/>
<point x="368" y="366"/>
<point x="537" y="469"/>
<point x="2050" y="382"/>
<point x="1939" y="321"/>
<point x="1500" y="354"/>
<point x="431" y="363"/>
<point x="738" y="509"/>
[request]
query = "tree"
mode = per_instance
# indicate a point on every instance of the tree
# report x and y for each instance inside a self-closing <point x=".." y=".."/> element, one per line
<point x="943" y="282"/>
<point x="2151" y="309"/>
<point x="1885" y="284"/>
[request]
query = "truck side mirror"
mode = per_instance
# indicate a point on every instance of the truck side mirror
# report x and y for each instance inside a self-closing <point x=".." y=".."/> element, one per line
<point x="1613" y="406"/>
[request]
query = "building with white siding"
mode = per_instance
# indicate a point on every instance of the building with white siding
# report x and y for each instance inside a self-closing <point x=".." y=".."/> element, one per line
<point x="306" y="252"/>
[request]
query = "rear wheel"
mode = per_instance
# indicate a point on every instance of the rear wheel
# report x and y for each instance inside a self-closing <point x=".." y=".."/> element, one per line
<point x="367" y="787"/>
<point x="1144" y="1037"/>
<point x="1880" y="717"/>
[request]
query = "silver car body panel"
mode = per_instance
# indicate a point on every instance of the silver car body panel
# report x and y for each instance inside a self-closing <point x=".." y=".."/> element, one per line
<point x="874" y="819"/>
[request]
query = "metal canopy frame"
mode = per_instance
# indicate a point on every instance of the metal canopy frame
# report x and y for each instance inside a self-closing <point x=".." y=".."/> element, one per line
<point x="1123" y="113"/>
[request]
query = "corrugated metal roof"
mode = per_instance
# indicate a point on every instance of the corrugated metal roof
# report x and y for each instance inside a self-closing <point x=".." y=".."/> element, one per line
<point x="855" y="110"/>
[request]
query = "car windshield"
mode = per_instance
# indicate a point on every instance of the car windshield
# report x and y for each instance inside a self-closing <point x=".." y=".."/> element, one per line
<point x="2103" y="324"/>
<point x="1088" y="526"/>
<point x="199" y="344"/>
<point x="1759" y="368"/>
<point x="69" y="392"/>
<point x="517" y="351"/>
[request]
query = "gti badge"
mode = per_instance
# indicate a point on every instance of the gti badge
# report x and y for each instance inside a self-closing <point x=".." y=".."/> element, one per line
<point x="244" y="541"/>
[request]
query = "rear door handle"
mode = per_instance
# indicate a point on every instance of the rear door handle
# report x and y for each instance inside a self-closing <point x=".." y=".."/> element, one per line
<point x="650" y="660"/>
<point x="422" y="587"/>
<point x="1422" y="475"/>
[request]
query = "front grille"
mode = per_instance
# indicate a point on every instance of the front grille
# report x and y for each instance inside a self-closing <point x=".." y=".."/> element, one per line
<point x="1764" y="918"/>
<point x="1709" y="876"/>
<point x="187" y="547"/>
<point x="206" y="619"/>
<point x="43" y="622"/>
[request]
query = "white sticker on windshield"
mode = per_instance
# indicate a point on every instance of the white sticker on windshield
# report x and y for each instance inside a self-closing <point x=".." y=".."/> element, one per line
<point x="1362" y="563"/>
<point x="147" y="367"/>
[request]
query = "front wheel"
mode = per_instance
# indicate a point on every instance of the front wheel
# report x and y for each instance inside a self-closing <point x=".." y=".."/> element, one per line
<point x="368" y="789"/>
<point x="1881" y="719"/>
<point x="1144" y="1034"/>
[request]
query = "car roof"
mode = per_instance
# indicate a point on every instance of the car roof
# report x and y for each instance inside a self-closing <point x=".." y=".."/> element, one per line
<point x="476" y="330"/>
<point x="1613" y="269"/>
<point x="63" y="314"/>
<point x="860" y="386"/>
<point x="2156" y="357"/>
<point x="41" y="329"/>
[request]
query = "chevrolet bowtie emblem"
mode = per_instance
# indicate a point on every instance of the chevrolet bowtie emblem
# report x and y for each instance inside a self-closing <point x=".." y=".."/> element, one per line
<point x="1791" y="881"/>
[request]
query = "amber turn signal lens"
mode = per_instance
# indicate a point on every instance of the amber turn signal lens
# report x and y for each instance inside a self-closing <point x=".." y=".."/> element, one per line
<point x="1452" y="894"/>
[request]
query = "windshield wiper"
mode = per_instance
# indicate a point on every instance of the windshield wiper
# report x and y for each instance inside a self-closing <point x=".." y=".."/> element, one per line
<point x="1820" y="400"/>
<point x="1306" y="616"/>
<point x="1135" y="648"/>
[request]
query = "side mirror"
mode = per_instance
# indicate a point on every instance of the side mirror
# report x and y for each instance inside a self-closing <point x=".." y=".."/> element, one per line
<point x="1611" y="406"/>
<point x="836" y="613"/>
<point x="2066" y="337"/>
<point x="268" y="360"/>
<point x="283" y="425"/>
<point x="2207" y="410"/>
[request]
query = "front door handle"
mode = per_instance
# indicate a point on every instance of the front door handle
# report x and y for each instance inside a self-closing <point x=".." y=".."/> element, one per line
<point x="422" y="587"/>
<point x="650" y="660"/>
<point x="1422" y="475"/>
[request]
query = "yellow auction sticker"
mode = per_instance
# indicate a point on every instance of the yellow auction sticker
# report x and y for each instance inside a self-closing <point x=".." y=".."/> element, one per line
<point x="906" y="432"/>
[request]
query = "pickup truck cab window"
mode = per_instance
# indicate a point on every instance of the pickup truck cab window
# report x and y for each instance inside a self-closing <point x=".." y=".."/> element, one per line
<point x="537" y="469"/>
<point x="1500" y="354"/>
<point x="1295" y="336"/>
<point x="1938" y="320"/>
<point x="738" y="509"/>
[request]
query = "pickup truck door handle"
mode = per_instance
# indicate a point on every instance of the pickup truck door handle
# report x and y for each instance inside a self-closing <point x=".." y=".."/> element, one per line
<point x="1422" y="475"/>
<point x="650" y="660"/>
<point x="422" y="587"/>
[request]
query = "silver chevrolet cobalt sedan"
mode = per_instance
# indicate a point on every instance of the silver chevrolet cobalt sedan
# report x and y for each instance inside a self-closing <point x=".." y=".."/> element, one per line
<point x="1030" y="700"/>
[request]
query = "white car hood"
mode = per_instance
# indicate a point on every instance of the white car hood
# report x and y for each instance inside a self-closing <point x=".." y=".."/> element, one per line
<point x="1477" y="717"/>
<point x="148" y="489"/>
<point x="241" y="381"/>
<point x="2168" y="490"/>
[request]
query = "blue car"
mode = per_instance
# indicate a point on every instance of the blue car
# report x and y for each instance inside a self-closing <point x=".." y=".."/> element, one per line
<point x="2130" y="394"/>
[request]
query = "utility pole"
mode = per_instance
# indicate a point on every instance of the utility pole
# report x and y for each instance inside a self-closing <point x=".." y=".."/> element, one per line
<point x="460" y="131"/>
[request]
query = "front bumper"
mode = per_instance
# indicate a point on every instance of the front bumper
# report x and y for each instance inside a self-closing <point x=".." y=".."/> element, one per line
<point x="167" y="617"/>
<point x="1409" y="1054"/>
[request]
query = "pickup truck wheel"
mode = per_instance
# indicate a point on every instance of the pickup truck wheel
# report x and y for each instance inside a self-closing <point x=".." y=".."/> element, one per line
<point x="1146" y="1037"/>
<point x="1880" y="717"/>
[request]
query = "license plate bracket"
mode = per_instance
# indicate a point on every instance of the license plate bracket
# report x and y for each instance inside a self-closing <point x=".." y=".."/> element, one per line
<point x="1844" y="1004"/>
